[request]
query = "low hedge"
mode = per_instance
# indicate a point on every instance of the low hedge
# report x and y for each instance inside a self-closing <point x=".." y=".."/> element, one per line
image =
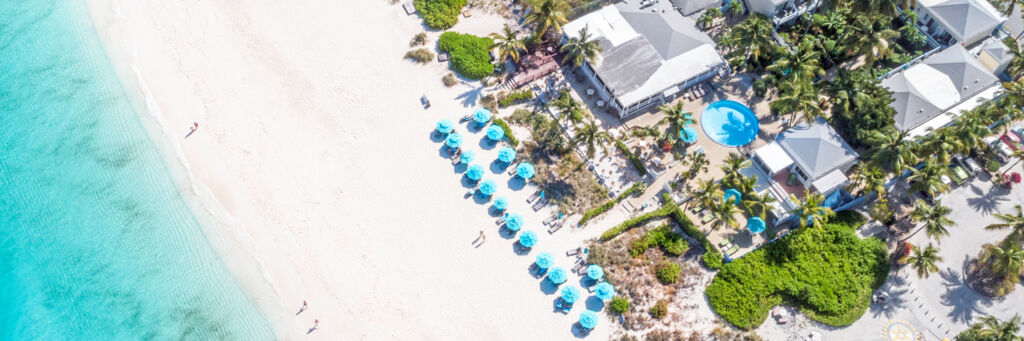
<point x="439" y="14"/>
<point x="508" y="131"/>
<point x="639" y="165"/>
<point x="468" y="54"/>
<point x="712" y="257"/>
<point x="515" y="97"/>
<point x="636" y="221"/>
<point x="636" y="187"/>
<point x="673" y="243"/>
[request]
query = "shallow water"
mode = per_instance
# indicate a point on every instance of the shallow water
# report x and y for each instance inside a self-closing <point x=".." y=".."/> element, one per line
<point x="95" y="241"/>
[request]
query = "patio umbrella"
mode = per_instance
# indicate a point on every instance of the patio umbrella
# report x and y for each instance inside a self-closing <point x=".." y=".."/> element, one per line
<point x="525" y="170"/>
<point x="688" y="134"/>
<point x="528" y="239"/>
<point x="755" y="225"/>
<point x="514" y="222"/>
<point x="570" y="294"/>
<point x="557" y="275"/>
<point x="588" y="319"/>
<point x="488" y="187"/>
<point x="468" y="156"/>
<point x="495" y="132"/>
<point x="475" y="172"/>
<point x="595" y="272"/>
<point x="501" y="203"/>
<point x="604" y="291"/>
<point x="544" y="260"/>
<point x="482" y="115"/>
<point x="454" y="140"/>
<point x="732" y="192"/>
<point x="506" y="154"/>
<point x="445" y="126"/>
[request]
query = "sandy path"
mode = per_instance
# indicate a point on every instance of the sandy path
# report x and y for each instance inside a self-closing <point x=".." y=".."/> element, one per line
<point x="314" y="155"/>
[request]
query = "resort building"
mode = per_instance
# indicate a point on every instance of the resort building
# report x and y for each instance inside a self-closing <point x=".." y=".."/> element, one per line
<point x="691" y="7"/>
<point x="782" y="11"/>
<point x="648" y="57"/>
<point x="963" y="22"/>
<point x="811" y="157"/>
<point x="947" y="82"/>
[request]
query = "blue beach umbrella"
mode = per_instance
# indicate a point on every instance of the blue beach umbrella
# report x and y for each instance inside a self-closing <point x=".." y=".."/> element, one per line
<point x="506" y="154"/>
<point x="445" y="126"/>
<point x="732" y="192"/>
<point x="544" y="260"/>
<point x="595" y="272"/>
<point x="454" y="140"/>
<point x="475" y="172"/>
<point x="501" y="203"/>
<point x="495" y="132"/>
<point x="468" y="156"/>
<point x="482" y="115"/>
<point x="570" y="294"/>
<point x="514" y="222"/>
<point x="588" y="319"/>
<point x="488" y="187"/>
<point x="604" y="291"/>
<point x="755" y="225"/>
<point x="525" y="170"/>
<point x="688" y="134"/>
<point x="528" y="239"/>
<point x="557" y="275"/>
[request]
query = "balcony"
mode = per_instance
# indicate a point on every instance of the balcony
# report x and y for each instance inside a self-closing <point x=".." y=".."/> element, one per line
<point x="791" y="13"/>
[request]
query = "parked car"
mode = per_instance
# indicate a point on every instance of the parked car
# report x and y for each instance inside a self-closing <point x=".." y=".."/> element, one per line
<point x="969" y="164"/>
<point x="1012" y="140"/>
<point x="1019" y="130"/>
<point x="1000" y="148"/>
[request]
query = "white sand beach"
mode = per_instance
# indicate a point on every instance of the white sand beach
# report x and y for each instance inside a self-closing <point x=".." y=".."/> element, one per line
<point x="314" y="162"/>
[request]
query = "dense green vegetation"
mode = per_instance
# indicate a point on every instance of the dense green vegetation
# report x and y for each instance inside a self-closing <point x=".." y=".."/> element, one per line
<point x="672" y="243"/>
<point x="637" y="187"/>
<point x="828" y="273"/>
<point x="618" y="305"/>
<point x="667" y="272"/>
<point x="991" y="328"/>
<point x="439" y="14"/>
<point x="508" y="131"/>
<point x="639" y="165"/>
<point x="515" y="97"/>
<point x="468" y="54"/>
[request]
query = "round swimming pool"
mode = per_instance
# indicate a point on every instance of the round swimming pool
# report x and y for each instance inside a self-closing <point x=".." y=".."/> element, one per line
<point x="729" y="123"/>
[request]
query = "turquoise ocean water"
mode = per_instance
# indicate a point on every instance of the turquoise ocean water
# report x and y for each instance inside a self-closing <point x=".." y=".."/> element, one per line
<point x="95" y="241"/>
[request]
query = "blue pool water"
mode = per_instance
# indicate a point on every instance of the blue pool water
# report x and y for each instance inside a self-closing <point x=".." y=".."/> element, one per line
<point x="729" y="123"/>
<point x="96" y="242"/>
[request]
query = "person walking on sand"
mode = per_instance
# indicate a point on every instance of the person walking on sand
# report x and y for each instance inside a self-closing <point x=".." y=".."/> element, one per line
<point x="316" y="323"/>
<point x="192" y="129"/>
<point x="304" y="307"/>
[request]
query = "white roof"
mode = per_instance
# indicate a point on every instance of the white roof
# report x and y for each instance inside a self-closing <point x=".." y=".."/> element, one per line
<point x="942" y="120"/>
<point x="605" y="23"/>
<point x="830" y="181"/>
<point x="932" y="85"/>
<point x="774" y="157"/>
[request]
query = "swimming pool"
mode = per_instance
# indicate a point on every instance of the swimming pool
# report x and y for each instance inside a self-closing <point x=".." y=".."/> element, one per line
<point x="729" y="123"/>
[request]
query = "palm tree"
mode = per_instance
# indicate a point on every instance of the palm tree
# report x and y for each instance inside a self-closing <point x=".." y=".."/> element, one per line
<point x="991" y="329"/>
<point x="676" y="118"/>
<point x="736" y="8"/>
<point x="869" y="36"/>
<point x="1016" y="154"/>
<point x="1016" y="65"/>
<point x="934" y="219"/>
<point x="709" y="17"/>
<point x="885" y="8"/>
<point x="893" y="150"/>
<point x="592" y="136"/>
<point x="1014" y="222"/>
<point x="732" y="167"/>
<point x="940" y="144"/>
<point x="725" y="214"/>
<point x="866" y="178"/>
<point x="548" y="15"/>
<point x="968" y="129"/>
<point x="580" y="49"/>
<point x="799" y="96"/>
<point x="811" y="209"/>
<point x="924" y="260"/>
<point x="750" y="40"/>
<point x="508" y="44"/>
<point x="758" y="204"/>
<point x="698" y="164"/>
<point x="801" y="63"/>
<point x="1005" y="260"/>
<point x="706" y="192"/>
<point x="569" y="109"/>
<point x="1007" y="6"/>
<point x="928" y="179"/>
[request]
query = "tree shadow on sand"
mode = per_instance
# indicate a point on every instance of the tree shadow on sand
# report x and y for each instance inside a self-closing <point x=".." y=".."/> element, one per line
<point x="961" y="298"/>
<point x="469" y="98"/>
<point x="986" y="203"/>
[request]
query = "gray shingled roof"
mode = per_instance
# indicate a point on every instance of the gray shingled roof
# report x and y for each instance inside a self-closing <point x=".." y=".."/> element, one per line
<point x="997" y="50"/>
<point x="626" y="67"/>
<point x="965" y="72"/>
<point x="689" y="7"/>
<point x="963" y="18"/>
<point x="816" y="148"/>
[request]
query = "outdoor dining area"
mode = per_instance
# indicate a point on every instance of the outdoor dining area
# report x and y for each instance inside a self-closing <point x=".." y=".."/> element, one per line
<point x="484" y="186"/>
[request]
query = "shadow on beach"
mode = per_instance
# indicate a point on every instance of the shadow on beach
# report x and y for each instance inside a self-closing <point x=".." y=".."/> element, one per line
<point x="516" y="183"/>
<point x="594" y="303"/>
<point x="548" y="288"/>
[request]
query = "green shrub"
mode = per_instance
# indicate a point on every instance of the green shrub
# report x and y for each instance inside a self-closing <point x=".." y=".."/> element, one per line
<point x="660" y="309"/>
<point x="637" y="187"/>
<point x="712" y="259"/>
<point x="515" y="97"/>
<point x="668" y="272"/>
<point x="992" y="166"/>
<point x="468" y="54"/>
<point x="828" y="273"/>
<point x="673" y="243"/>
<point x="508" y="131"/>
<point x="618" y="305"/>
<point x="421" y="55"/>
<point x="439" y="14"/>
<point x="639" y="165"/>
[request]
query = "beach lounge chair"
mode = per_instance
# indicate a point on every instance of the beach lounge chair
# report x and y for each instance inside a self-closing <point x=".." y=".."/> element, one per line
<point x="792" y="178"/>
<point x="533" y="197"/>
<point x="555" y="227"/>
<point x="511" y="171"/>
<point x="733" y="250"/>
<point x="551" y="219"/>
<point x="574" y="252"/>
<point x="706" y="219"/>
<point x="578" y="268"/>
